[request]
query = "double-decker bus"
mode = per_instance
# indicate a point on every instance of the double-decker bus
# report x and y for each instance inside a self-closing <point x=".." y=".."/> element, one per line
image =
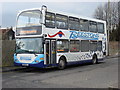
<point x="46" y="38"/>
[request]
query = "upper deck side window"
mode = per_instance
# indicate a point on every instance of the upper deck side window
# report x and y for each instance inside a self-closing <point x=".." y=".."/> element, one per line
<point x="73" y="23"/>
<point x="61" y="21"/>
<point x="92" y="26"/>
<point x="84" y="25"/>
<point x="50" y="20"/>
<point x="100" y="27"/>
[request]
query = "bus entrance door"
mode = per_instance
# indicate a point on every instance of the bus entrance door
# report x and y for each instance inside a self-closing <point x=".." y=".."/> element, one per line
<point x="50" y="52"/>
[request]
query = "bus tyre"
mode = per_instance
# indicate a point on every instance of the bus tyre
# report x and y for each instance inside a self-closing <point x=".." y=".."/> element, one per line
<point x="62" y="64"/>
<point x="94" y="60"/>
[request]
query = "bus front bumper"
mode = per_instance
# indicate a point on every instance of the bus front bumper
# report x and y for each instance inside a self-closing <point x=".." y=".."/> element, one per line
<point x="40" y="64"/>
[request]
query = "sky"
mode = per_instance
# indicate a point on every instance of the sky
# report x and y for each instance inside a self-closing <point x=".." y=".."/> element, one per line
<point x="11" y="9"/>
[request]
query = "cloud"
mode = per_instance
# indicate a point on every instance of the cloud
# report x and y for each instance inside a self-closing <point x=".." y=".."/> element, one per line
<point x="0" y="14"/>
<point x="57" y="0"/>
<point x="10" y="9"/>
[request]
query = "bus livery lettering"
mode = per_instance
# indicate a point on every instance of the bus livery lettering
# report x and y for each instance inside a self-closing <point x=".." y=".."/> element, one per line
<point x="83" y="35"/>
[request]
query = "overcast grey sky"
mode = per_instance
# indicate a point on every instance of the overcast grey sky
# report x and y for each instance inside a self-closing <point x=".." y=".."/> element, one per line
<point x="10" y="9"/>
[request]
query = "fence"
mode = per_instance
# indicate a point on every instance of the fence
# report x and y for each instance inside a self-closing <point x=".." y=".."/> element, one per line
<point x="114" y="48"/>
<point x="8" y="49"/>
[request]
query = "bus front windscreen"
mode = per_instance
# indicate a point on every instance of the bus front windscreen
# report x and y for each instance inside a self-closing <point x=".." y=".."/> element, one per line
<point x="28" y="23"/>
<point x="29" y="45"/>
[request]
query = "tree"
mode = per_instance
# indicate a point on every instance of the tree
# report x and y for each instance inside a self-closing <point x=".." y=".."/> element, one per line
<point x="119" y="21"/>
<point x="119" y="14"/>
<point x="99" y="12"/>
<point x="109" y="13"/>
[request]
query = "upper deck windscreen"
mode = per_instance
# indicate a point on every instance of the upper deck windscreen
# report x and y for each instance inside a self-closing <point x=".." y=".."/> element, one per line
<point x="28" y="23"/>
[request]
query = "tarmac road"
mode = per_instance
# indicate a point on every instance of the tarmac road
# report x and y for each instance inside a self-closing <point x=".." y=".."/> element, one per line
<point x="102" y="75"/>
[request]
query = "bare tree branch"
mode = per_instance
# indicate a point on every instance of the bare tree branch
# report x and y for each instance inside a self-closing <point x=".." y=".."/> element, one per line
<point x="108" y="13"/>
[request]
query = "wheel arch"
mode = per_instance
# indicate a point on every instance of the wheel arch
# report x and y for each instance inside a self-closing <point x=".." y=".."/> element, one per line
<point x="63" y="57"/>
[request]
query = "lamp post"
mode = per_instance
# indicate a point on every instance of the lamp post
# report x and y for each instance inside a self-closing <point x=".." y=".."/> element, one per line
<point x="119" y="11"/>
<point x="108" y="26"/>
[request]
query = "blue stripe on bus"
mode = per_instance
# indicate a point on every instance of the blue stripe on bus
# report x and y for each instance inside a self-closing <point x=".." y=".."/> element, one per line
<point x="79" y="62"/>
<point x="41" y="64"/>
<point x="82" y="61"/>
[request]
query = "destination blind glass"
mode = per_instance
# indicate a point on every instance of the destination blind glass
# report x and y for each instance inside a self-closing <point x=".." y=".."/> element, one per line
<point x="32" y="30"/>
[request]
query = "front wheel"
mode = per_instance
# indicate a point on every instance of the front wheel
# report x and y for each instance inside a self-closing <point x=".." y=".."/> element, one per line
<point x="62" y="64"/>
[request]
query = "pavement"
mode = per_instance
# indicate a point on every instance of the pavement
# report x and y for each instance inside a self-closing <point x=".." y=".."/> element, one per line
<point x="11" y="68"/>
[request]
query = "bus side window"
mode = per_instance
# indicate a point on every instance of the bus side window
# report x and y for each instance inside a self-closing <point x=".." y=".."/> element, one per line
<point x="100" y="27"/>
<point x="62" y="46"/>
<point x="73" y="23"/>
<point x="50" y="20"/>
<point x="80" y="45"/>
<point x="93" y="45"/>
<point x="92" y="26"/>
<point x="74" y="46"/>
<point x="61" y="21"/>
<point x="84" y="25"/>
<point x="99" y="46"/>
<point x="84" y="45"/>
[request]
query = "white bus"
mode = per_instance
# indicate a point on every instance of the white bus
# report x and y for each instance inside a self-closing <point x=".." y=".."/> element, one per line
<point x="46" y="38"/>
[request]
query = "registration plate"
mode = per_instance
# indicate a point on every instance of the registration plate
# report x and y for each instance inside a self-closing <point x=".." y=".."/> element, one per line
<point x="25" y="64"/>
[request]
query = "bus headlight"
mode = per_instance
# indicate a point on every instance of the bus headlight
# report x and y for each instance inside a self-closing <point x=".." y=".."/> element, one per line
<point x="36" y="61"/>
